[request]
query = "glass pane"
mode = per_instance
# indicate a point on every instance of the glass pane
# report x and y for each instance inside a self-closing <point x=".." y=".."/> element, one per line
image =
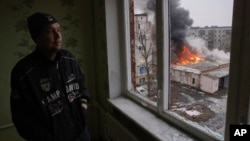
<point x="200" y="57"/>
<point x="143" y="49"/>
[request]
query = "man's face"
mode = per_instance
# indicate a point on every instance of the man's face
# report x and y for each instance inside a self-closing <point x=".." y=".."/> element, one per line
<point x="50" y="39"/>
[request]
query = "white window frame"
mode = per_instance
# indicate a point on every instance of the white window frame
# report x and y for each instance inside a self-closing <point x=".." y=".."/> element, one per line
<point x="118" y="40"/>
<point x="161" y="107"/>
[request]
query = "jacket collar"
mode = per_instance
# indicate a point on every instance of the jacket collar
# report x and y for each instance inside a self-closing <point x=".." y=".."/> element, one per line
<point x="41" y="58"/>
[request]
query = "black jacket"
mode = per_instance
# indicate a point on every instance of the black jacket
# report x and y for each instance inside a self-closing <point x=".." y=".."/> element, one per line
<point x="46" y="97"/>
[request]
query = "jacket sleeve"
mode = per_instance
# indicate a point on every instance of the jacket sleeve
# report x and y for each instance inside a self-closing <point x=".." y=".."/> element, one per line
<point x="81" y="75"/>
<point x="84" y="91"/>
<point x="23" y="113"/>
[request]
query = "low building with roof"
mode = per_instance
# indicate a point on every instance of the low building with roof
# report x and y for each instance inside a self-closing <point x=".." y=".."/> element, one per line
<point x="206" y="76"/>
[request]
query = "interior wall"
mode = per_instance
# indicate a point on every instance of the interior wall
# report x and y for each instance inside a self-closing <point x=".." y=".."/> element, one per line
<point x="84" y="34"/>
<point x="75" y="17"/>
<point x="101" y="91"/>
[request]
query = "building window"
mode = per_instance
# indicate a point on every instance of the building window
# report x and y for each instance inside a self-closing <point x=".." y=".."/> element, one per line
<point x="192" y="80"/>
<point x="143" y="70"/>
<point x="142" y="80"/>
<point x="141" y="37"/>
<point x="202" y="32"/>
<point x="141" y="48"/>
<point x="141" y="26"/>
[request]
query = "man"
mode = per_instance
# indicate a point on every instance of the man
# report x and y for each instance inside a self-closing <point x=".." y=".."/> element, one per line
<point x="48" y="93"/>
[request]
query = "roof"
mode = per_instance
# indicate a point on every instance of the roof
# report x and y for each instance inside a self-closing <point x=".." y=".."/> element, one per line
<point x="203" y="65"/>
<point x="141" y="14"/>
<point x="186" y="69"/>
<point x="218" y="73"/>
<point x="206" y="67"/>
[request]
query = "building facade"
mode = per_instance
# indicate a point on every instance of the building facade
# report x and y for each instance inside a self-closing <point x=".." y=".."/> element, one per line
<point x="215" y="37"/>
<point x="205" y="76"/>
<point x="144" y="49"/>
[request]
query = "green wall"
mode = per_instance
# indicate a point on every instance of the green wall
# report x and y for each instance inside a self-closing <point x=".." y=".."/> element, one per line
<point x="84" y="34"/>
<point x="75" y="16"/>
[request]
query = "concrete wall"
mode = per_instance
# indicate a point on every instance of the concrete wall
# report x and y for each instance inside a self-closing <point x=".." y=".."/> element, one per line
<point x="209" y="84"/>
<point x="187" y="78"/>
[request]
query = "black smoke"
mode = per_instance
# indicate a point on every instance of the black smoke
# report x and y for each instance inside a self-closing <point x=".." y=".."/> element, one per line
<point x="151" y="5"/>
<point x="179" y="22"/>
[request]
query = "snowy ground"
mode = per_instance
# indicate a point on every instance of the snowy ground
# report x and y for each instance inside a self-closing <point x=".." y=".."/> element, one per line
<point x="208" y="110"/>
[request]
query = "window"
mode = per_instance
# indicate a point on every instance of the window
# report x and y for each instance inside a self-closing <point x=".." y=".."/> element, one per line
<point x="141" y="48"/>
<point x="181" y="80"/>
<point x="143" y="69"/>
<point x="140" y="26"/>
<point x="142" y="80"/>
<point x="238" y="88"/>
<point x="202" y="32"/>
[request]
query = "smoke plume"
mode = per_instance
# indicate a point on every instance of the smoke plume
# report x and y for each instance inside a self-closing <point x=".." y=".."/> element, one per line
<point x="199" y="45"/>
<point x="179" y="18"/>
<point x="179" y="22"/>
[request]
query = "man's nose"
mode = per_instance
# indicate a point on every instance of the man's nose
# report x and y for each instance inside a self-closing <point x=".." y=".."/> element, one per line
<point x="57" y="34"/>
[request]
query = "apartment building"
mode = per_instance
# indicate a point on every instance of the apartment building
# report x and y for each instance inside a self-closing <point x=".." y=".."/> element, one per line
<point x="144" y="49"/>
<point x="215" y="37"/>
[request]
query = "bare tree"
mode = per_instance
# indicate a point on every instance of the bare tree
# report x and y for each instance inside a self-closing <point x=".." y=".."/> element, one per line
<point x="146" y="47"/>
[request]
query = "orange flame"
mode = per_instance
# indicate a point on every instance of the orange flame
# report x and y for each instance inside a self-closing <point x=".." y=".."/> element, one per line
<point x="187" y="57"/>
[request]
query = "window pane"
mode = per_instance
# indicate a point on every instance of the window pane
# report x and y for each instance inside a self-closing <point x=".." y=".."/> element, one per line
<point x="143" y="49"/>
<point x="199" y="64"/>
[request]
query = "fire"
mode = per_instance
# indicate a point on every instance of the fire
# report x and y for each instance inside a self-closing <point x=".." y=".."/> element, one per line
<point x="187" y="57"/>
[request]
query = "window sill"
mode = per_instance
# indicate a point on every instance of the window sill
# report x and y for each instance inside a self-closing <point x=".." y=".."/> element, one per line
<point x="148" y="121"/>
